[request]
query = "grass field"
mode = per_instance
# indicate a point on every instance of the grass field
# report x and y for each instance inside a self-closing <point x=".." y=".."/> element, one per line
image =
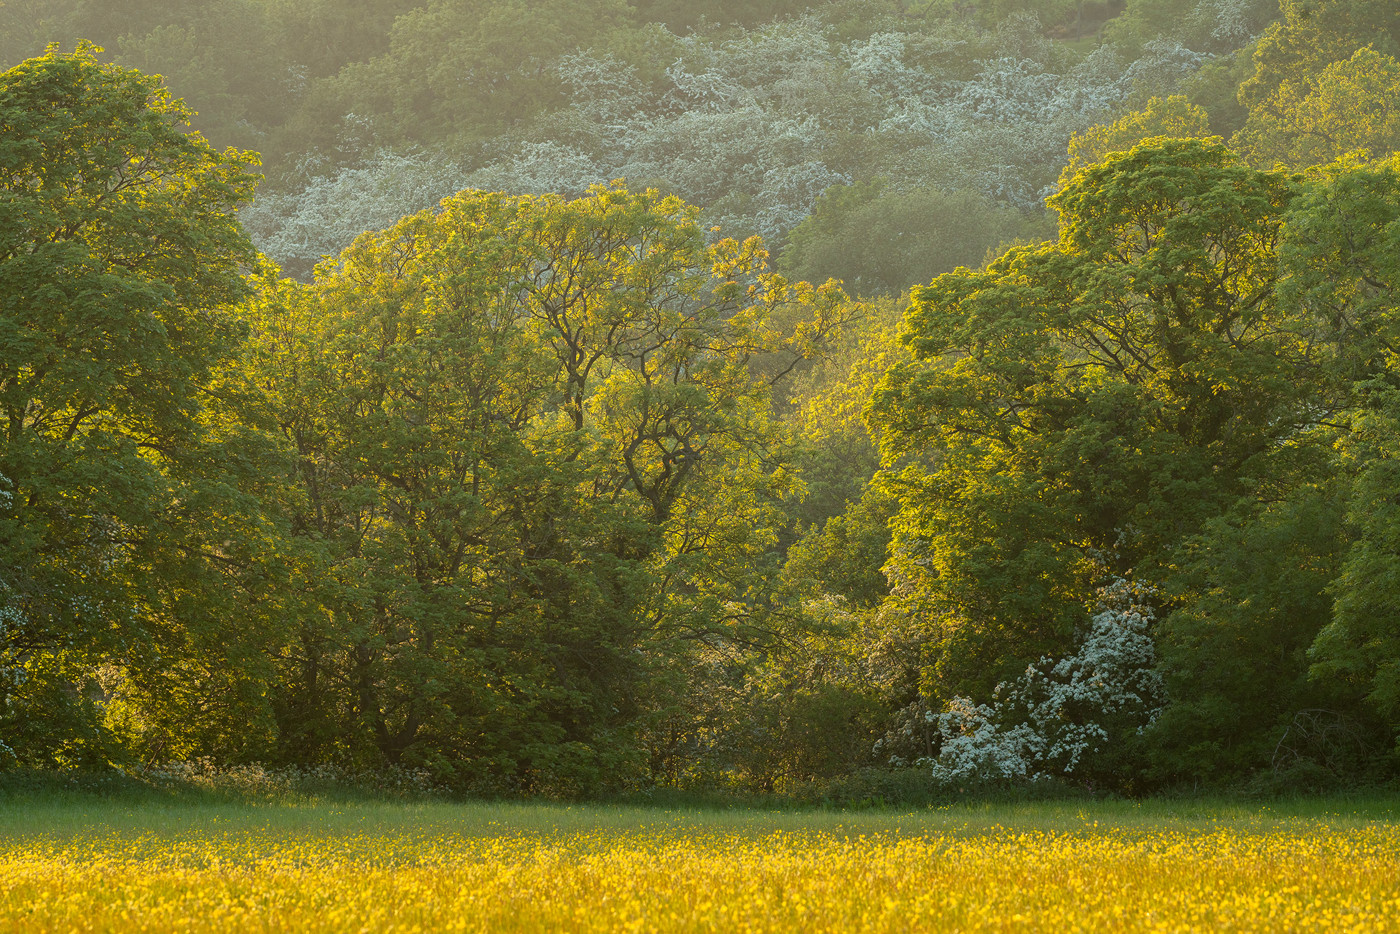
<point x="74" y="864"/>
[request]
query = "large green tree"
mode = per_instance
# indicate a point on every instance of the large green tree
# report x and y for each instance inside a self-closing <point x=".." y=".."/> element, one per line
<point x="537" y="458"/>
<point x="1078" y="408"/>
<point x="119" y="253"/>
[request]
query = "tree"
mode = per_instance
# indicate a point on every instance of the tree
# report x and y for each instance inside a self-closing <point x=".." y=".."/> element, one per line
<point x="1208" y="25"/>
<point x="1063" y="717"/>
<point x="464" y="66"/>
<point x="222" y="58"/>
<point x="119" y="254"/>
<point x="1078" y="408"/>
<point x="27" y="26"/>
<point x="752" y="124"/>
<point x="880" y="241"/>
<point x="1251" y="595"/>
<point x="1173" y="116"/>
<point x="1292" y="56"/>
<point x="326" y="35"/>
<point x="1341" y="256"/>
<point x="1350" y="106"/>
<point x="1360" y="646"/>
<point x="536" y="455"/>
<point x="826" y="406"/>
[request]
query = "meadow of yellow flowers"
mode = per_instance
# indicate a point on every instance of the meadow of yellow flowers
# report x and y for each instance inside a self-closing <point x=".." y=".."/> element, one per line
<point x="105" y="866"/>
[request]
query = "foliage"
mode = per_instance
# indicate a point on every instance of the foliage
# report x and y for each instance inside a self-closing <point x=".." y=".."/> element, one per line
<point x="1359" y="645"/>
<point x="553" y="490"/>
<point x="1253" y="597"/>
<point x="1342" y="255"/>
<point x="466" y="63"/>
<point x="224" y="58"/>
<point x="331" y="211"/>
<point x="1207" y="25"/>
<point x="1287" y="95"/>
<point x="119" y="252"/>
<point x="1339" y="259"/>
<point x="1175" y="117"/>
<point x="1100" y="395"/>
<point x="1350" y="106"/>
<point x="837" y="453"/>
<point x="754" y="124"/>
<point x="881" y="242"/>
<point x="535" y="447"/>
<point x="749" y="110"/>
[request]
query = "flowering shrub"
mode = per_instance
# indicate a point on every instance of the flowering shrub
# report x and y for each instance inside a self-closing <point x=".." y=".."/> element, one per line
<point x="977" y="748"/>
<point x="1060" y="713"/>
<point x="1232" y="23"/>
<point x="539" y="168"/>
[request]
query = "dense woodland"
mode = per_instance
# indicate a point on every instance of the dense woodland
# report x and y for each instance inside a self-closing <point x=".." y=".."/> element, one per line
<point x="1077" y="462"/>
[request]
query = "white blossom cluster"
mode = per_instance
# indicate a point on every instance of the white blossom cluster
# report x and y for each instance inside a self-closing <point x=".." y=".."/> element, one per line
<point x="976" y="747"/>
<point x="298" y="228"/>
<point x="1232" y="24"/>
<point x="1058" y="712"/>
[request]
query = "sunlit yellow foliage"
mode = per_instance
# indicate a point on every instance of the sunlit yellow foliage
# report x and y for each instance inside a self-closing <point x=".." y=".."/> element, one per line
<point x="440" y="869"/>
